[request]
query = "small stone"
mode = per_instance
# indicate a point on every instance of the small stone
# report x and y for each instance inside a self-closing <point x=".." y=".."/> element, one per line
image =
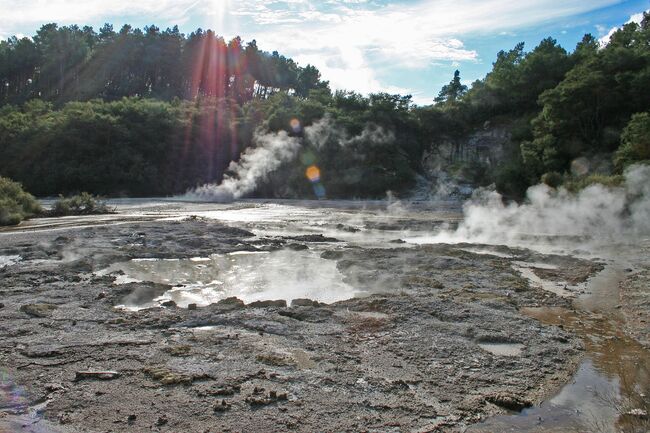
<point x="171" y="304"/>
<point x="637" y="413"/>
<point x="192" y="306"/>
<point x="101" y="295"/>
<point x="509" y="401"/>
<point x="131" y="418"/>
<point x="162" y="421"/>
<point x="221" y="406"/>
<point x="2" y="305"/>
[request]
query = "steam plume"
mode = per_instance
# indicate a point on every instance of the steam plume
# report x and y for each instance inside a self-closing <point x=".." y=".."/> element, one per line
<point x="256" y="163"/>
<point x="273" y="149"/>
<point x="599" y="214"/>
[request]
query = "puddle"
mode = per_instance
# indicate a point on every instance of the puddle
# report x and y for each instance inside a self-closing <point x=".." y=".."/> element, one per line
<point x="488" y="252"/>
<point x="250" y="276"/>
<point x="527" y="270"/>
<point x="8" y="261"/>
<point x="612" y="385"/>
<point x="503" y="349"/>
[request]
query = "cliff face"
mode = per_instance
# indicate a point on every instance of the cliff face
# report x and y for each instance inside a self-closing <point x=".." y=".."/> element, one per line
<point x="484" y="146"/>
<point x="450" y="166"/>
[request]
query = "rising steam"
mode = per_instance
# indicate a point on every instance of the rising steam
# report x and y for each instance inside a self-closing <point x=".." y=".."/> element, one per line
<point x="597" y="214"/>
<point x="255" y="164"/>
<point x="271" y="150"/>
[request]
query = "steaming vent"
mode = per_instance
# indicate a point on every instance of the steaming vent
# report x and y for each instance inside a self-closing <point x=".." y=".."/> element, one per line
<point x="249" y="276"/>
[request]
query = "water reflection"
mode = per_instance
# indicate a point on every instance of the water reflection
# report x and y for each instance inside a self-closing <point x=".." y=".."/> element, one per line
<point x="609" y="393"/>
<point x="250" y="276"/>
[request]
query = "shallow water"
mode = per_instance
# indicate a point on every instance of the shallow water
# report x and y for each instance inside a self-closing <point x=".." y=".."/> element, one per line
<point x="249" y="276"/>
<point x="8" y="260"/>
<point x="612" y="380"/>
<point x="503" y="349"/>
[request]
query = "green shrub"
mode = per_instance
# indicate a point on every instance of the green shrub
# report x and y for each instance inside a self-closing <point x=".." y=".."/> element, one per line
<point x="552" y="179"/>
<point x="635" y="142"/>
<point x="15" y="203"/>
<point x="577" y="184"/>
<point x="82" y="204"/>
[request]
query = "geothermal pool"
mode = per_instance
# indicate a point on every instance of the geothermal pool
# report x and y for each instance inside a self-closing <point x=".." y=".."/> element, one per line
<point x="249" y="276"/>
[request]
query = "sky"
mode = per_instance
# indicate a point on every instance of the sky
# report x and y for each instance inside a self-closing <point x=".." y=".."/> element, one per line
<point x="407" y="47"/>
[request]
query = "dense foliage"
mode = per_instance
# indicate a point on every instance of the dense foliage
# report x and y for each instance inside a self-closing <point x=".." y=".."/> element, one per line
<point x="151" y="112"/>
<point x="15" y="203"/>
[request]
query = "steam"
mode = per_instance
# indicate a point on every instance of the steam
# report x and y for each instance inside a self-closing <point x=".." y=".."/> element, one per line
<point x="597" y="215"/>
<point x="270" y="151"/>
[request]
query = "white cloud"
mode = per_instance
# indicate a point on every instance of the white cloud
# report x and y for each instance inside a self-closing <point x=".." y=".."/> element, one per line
<point x="604" y="40"/>
<point x="37" y="12"/>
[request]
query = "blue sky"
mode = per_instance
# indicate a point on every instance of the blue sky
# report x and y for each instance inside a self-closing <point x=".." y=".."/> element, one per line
<point x="363" y="45"/>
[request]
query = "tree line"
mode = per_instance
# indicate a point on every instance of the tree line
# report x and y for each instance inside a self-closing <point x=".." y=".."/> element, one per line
<point x="69" y="63"/>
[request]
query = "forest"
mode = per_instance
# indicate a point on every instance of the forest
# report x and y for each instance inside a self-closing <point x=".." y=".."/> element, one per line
<point x="151" y="112"/>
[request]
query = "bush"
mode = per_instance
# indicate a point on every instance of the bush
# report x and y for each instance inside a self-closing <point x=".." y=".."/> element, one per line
<point x="15" y="203"/>
<point x="635" y="142"/>
<point x="552" y="179"/>
<point x="578" y="184"/>
<point x="82" y="204"/>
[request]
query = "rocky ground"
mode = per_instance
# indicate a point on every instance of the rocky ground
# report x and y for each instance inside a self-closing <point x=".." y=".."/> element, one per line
<point x="405" y="357"/>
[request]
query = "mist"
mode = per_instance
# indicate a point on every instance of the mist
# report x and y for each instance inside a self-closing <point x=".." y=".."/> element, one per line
<point x="597" y="215"/>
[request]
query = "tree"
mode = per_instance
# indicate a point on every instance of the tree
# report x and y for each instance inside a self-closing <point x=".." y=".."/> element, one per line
<point x="635" y="142"/>
<point x="453" y="91"/>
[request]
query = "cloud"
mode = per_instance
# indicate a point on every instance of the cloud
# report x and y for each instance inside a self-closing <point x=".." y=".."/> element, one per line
<point x="38" y="12"/>
<point x="604" y="40"/>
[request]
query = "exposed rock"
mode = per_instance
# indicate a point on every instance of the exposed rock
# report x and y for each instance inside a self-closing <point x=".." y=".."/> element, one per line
<point x="281" y="303"/>
<point x="98" y="375"/>
<point x="38" y="310"/>
<point x="312" y="238"/>
<point x="331" y="255"/>
<point x="509" y="401"/>
<point x="304" y="302"/>
<point x="297" y="247"/>
<point x="231" y="303"/>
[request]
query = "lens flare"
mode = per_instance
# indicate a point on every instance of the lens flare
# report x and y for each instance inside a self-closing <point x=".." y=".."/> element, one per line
<point x="295" y="125"/>
<point x="313" y="173"/>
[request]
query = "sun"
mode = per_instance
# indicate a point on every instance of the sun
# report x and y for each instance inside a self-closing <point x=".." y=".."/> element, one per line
<point x="218" y="9"/>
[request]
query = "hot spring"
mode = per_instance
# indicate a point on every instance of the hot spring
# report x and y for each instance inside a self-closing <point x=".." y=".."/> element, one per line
<point x="249" y="276"/>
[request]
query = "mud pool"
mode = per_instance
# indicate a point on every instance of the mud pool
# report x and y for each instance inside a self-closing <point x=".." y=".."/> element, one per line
<point x="303" y="310"/>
